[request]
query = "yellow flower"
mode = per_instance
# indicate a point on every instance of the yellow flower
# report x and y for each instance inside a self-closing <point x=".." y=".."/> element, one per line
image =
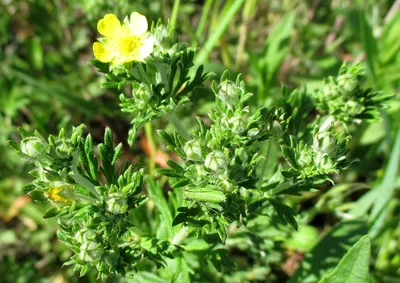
<point x="123" y="43"/>
<point x="54" y="194"/>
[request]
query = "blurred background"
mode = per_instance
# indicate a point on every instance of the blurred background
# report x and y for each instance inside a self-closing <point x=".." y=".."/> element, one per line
<point x="46" y="83"/>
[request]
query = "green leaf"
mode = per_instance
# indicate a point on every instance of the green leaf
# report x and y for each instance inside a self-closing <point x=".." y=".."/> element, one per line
<point x="180" y="218"/>
<point x="90" y="157"/>
<point x="175" y="166"/>
<point x="354" y="266"/>
<point x="166" y="138"/>
<point x="206" y="195"/>
<point x="170" y="173"/>
<point x="226" y="18"/>
<point x="285" y="213"/>
<point x="275" y="45"/>
<point x="51" y="212"/>
<point x="158" y="198"/>
<point x="37" y="196"/>
<point x="384" y="193"/>
<point x="324" y="257"/>
<point x="14" y="145"/>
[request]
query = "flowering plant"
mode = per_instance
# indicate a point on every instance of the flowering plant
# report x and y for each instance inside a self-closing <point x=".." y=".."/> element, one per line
<point x="214" y="185"/>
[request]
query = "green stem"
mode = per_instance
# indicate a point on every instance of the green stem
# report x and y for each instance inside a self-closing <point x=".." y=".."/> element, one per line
<point x="173" y="119"/>
<point x="153" y="148"/>
<point x="265" y="162"/>
<point x="174" y="15"/>
<point x="182" y="234"/>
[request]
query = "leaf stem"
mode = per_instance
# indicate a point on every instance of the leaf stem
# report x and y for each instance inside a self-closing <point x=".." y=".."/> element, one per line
<point x="153" y="147"/>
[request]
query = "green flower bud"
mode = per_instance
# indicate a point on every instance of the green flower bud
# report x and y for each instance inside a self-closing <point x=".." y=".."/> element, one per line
<point x="90" y="251"/>
<point x="227" y="88"/>
<point x="226" y="185"/>
<point x="193" y="150"/>
<point x="330" y="91"/>
<point x="237" y="124"/>
<point x="325" y="142"/>
<point x="227" y="91"/>
<point x="323" y="161"/>
<point x="347" y="82"/>
<point x="353" y="107"/>
<point x="327" y="163"/>
<point x="244" y="193"/>
<point x="32" y="146"/>
<point x="276" y="129"/>
<point x="305" y="158"/>
<point x="116" y="203"/>
<point x="216" y="160"/>
<point x="253" y="132"/>
<point x="142" y="95"/>
<point x="201" y="172"/>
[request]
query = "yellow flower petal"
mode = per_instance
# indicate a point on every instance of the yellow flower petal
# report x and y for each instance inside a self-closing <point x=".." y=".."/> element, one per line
<point x="138" y="24"/>
<point x="102" y="53"/>
<point x="146" y="48"/>
<point x="109" y="26"/>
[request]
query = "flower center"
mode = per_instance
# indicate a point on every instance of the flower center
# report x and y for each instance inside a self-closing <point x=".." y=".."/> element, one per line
<point x="126" y="45"/>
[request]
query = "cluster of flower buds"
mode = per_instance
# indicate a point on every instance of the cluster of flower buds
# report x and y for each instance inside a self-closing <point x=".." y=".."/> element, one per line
<point x="54" y="157"/>
<point x="92" y="202"/>
<point x="343" y="98"/>
<point x="219" y="164"/>
<point x="232" y="121"/>
<point x="325" y="156"/>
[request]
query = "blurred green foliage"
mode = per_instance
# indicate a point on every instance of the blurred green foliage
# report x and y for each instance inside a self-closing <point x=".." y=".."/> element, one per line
<point x="46" y="84"/>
